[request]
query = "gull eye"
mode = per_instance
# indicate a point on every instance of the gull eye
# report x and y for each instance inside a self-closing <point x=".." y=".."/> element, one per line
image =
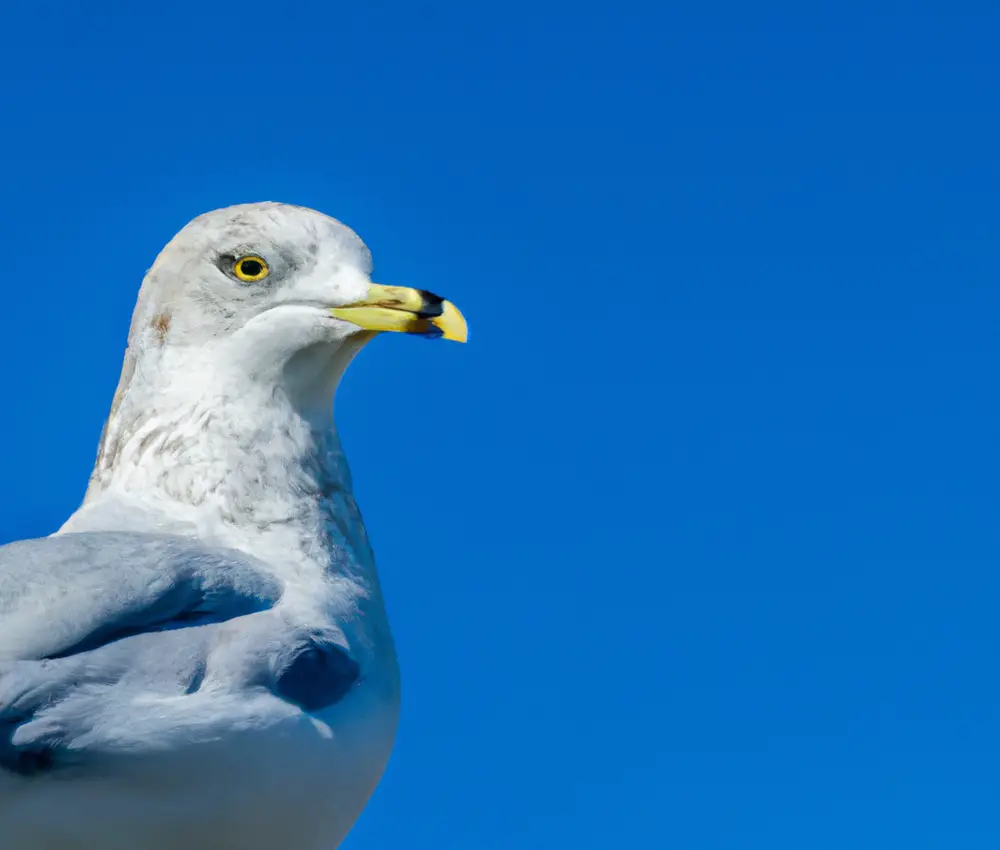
<point x="251" y="268"/>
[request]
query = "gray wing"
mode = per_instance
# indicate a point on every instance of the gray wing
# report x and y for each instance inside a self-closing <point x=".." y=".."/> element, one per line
<point x="83" y="615"/>
<point x="63" y="595"/>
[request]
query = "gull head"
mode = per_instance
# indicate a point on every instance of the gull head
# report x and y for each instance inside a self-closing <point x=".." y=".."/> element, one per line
<point x="273" y="292"/>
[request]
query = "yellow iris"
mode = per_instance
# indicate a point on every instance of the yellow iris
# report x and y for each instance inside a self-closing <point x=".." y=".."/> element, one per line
<point x="251" y="268"/>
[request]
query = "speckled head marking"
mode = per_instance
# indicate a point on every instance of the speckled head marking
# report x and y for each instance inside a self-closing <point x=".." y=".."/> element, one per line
<point x="161" y="324"/>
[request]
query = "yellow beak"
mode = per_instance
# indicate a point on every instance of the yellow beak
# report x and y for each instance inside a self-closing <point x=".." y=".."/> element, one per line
<point x="412" y="311"/>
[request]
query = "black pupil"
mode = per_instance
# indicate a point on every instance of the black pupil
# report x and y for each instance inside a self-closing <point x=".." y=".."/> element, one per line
<point x="251" y="268"/>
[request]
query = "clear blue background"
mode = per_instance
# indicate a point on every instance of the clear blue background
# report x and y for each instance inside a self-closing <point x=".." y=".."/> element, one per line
<point x="699" y="547"/>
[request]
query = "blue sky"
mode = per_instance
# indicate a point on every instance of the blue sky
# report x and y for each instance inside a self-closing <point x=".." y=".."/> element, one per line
<point x="702" y="552"/>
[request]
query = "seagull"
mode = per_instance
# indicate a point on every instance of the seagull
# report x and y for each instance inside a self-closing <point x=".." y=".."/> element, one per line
<point x="200" y="658"/>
